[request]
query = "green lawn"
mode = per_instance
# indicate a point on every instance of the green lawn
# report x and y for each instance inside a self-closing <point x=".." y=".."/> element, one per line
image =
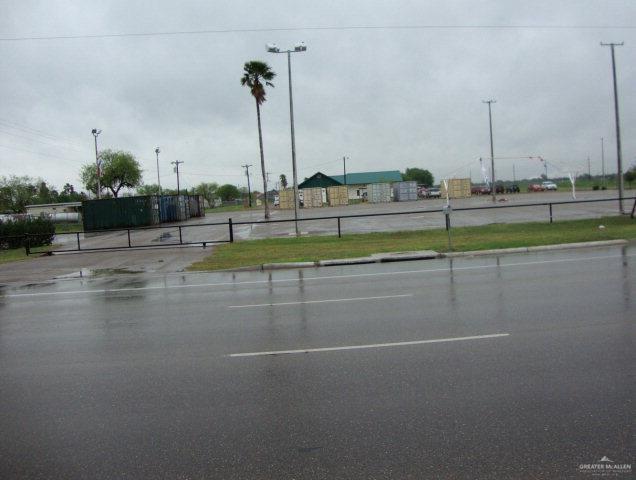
<point x="13" y="255"/>
<point x="257" y="252"/>
<point x="230" y="208"/>
<point x="68" y="227"/>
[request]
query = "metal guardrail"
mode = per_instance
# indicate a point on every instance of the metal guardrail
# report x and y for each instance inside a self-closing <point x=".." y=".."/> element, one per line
<point x="230" y="224"/>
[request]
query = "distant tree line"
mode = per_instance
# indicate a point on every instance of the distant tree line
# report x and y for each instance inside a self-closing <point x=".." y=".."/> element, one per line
<point x="18" y="192"/>
<point x="419" y="175"/>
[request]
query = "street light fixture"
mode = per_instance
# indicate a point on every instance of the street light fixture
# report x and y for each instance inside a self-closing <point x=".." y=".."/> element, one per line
<point x="95" y="133"/>
<point x="299" y="47"/>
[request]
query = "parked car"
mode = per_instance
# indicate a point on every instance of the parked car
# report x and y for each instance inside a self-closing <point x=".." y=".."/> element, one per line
<point x="499" y="189"/>
<point x="535" y="187"/>
<point x="480" y="190"/>
<point x="514" y="188"/>
<point x="549" y="185"/>
<point x="433" y="193"/>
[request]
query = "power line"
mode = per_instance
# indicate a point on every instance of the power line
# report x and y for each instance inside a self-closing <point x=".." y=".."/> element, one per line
<point x="44" y="141"/>
<point x="36" y="153"/>
<point x="319" y="28"/>
<point x="41" y="133"/>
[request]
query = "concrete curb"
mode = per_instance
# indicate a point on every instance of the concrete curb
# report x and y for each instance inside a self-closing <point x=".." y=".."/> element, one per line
<point x="375" y="258"/>
<point x="539" y="248"/>
<point x="430" y="254"/>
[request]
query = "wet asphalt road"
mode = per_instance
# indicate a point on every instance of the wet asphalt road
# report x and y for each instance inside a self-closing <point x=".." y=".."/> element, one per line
<point x="130" y="376"/>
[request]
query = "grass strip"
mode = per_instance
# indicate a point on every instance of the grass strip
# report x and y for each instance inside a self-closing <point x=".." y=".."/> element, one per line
<point x="13" y="255"/>
<point x="313" y="248"/>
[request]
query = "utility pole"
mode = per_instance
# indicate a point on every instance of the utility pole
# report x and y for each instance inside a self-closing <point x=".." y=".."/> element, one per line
<point x="589" y="168"/>
<point x="95" y="133"/>
<point x="514" y="177"/>
<point x="176" y="169"/>
<point x="344" y="168"/>
<point x="619" y="159"/>
<point x="157" y="150"/>
<point x="603" y="160"/>
<point x="493" y="188"/>
<point x="249" y="191"/>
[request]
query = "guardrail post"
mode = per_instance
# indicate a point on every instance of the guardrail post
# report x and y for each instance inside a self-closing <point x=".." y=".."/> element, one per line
<point x="229" y="223"/>
<point x="448" y="230"/>
<point x="129" y="245"/>
<point x="27" y="244"/>
<point x="339" y="233"/>
<point x="78" y="241"/>
<point x="550" y="212"/>
<point x="180" y="236"/>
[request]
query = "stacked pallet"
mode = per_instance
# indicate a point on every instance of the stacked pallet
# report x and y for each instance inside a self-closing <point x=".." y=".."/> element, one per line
<point x="338" y="195"/>
<point x="457" y="188"/>
<point x="286" y="198"/>
<point x="312" y="197"/>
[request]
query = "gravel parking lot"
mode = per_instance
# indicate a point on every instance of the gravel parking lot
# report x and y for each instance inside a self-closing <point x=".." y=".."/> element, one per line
<point x="422" y="219"/>
<point x="250" y="226"/>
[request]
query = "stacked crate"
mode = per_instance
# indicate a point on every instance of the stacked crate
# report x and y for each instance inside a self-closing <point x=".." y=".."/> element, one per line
<point x="338" y="195"/>
<point x="286" y="198"/>
<point x="457" y="188"/>
<point x="312" y="197"/>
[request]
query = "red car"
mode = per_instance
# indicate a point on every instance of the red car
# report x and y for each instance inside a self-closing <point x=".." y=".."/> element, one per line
<point x="535" y="187"/>
<point x="480" y="190"/>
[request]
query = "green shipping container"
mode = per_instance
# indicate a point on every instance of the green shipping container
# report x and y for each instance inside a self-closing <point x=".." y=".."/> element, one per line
<point x="124" y="212"/>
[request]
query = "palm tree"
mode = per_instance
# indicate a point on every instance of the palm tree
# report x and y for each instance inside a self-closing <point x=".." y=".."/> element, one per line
<point x="254" y="73"/>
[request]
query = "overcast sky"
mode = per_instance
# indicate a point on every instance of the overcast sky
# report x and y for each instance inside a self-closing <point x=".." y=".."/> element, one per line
<point x="387" y="98"/>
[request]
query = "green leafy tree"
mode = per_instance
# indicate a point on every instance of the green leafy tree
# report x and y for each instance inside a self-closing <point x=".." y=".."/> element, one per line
<point x="283" y="180"/>
<point x="18" y="192"/>
<point x="152" y="189"/>
<point x="208" y="190"/>
<point x="118" y="170"/>
<point x="254" y="74"/>
<point x="46" y="194"/>
<point x="69" y="194"/>
<point x="421" y="176"/>
<point x="228" y="192"/>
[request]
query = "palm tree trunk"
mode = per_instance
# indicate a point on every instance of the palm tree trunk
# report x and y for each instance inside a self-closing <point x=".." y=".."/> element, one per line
<point x="260" y="144"/>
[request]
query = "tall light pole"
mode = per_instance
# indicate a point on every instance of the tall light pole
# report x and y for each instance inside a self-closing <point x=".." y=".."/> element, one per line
<point x="95" y="133"/>
<point x="619" y="155"/>
<point x="176" y="164"/>
<point x="249" y="191"/>
<point x="301" y="47"/>
<point x="493" y="188"/>
<point x="603" y="159"/>
<point x="344" y="168"/>
<point x="157" y="150"/>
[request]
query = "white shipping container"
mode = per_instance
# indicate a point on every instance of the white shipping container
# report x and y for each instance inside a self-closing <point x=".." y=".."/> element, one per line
<point x="405" y="191"/>
<point x="379" y="193"/>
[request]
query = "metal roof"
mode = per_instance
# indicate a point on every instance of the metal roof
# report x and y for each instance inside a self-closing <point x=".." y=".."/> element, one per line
<point x="319" y="179"/>
<point x="365" y="178"/>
